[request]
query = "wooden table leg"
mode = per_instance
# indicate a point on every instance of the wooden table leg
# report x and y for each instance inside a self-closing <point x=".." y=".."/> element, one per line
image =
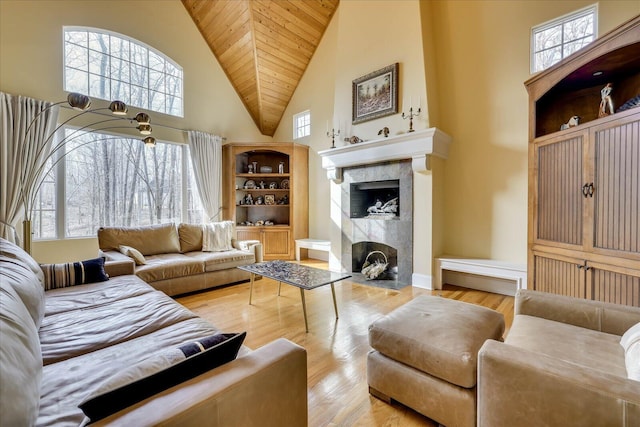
<point x="251" y="288"/>
<point x="335" y="305"/>
<point x="304" y="310"/>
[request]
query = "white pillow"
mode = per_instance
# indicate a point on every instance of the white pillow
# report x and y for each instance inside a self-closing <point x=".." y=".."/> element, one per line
<point x="216" y="236"/>
<point x="133" y="253"/>
<point x="632" y="361"/>
<point x="631" y="336"/>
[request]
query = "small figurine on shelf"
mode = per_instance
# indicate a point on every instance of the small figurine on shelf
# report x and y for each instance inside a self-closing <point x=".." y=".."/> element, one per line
<point x="606" y="101"/>
<point x="248" y="199"/>
<point x="573" y="122"/>
<point x="284" y="200"/>
<point x="262" y="185"/>
<point x="281" y="167"/>
<point x="260" y="200"/>
<point x="250" y="168"/>
<point x="384" y="131"/>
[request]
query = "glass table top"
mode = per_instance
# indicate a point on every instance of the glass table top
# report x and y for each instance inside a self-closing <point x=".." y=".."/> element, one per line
<point x="295" y="274"/>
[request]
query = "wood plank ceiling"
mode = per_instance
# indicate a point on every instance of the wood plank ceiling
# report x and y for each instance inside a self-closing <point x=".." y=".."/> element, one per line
<point x="264" y="47"/>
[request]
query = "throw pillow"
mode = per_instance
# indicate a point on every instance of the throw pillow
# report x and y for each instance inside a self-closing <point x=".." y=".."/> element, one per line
<point x="216" y="236"/>
<point x="159" y="373"/>
<point x="73" y="273"/>
<point x="632" y="361"/>
<point x="133" y="253"/>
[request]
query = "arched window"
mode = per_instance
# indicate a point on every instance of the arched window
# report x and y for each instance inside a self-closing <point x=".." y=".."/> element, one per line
<point x="107" y="65"/>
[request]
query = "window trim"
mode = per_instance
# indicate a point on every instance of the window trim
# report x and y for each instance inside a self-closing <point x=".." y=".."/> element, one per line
<point x="95" y="30"/>
<point x="561" y="20"/>
<point x="59" y="178"/>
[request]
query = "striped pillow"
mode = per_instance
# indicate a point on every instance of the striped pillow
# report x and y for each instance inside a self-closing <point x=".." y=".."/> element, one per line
<point x="73" y="273"/>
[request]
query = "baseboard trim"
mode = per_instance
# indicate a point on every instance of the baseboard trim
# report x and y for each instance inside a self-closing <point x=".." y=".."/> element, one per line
<point x="422" y="281"/>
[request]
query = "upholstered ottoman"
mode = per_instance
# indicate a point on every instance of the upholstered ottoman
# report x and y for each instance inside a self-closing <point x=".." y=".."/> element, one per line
<point x="424" y="356"/>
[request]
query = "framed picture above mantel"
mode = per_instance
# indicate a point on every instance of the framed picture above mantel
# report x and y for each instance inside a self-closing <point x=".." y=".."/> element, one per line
<point x="375" y="95"/>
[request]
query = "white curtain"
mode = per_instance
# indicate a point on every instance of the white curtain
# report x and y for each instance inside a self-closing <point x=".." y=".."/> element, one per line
<point x="25" y="144"/>
<point x="206" y="159"/>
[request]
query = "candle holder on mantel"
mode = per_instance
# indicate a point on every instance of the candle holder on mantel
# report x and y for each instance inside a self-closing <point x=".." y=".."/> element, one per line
<point x="333" y="135"/>
<point x="410" y="116"/>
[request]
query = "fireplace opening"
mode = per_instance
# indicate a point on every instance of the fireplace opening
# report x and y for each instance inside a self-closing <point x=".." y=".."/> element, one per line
<point x="376" y="256"/>
<point x="375" y="199"/>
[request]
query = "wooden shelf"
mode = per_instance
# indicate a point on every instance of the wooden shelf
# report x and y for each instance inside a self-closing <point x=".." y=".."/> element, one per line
<point x="291" y="220"/>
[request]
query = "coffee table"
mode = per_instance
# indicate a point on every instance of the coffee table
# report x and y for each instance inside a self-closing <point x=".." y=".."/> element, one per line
<point x="300" y="276"/>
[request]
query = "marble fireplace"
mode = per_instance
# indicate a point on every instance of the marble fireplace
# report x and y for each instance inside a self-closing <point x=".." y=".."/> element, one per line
<point x="366" y="231"/>
<point x="374" y="203"/>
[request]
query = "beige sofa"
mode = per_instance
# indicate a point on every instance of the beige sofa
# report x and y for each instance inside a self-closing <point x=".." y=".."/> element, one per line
<point x="174" y="261"/>
<point x="561" y="364"/>
<point x="58" y="346"/>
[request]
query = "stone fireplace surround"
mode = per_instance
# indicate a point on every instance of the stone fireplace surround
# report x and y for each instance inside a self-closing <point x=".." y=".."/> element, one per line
<point x="396" y="233"/>
<point x="400" y="155"/>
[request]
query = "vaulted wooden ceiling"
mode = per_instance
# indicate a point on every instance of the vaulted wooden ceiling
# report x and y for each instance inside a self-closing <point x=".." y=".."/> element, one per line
<point x="264" y="47"/>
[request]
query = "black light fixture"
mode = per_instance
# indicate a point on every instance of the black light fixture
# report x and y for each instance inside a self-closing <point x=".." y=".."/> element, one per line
<point x="78" y="101"/>
<point x="144" y="129"/>
<point x="118" y="108"/>
<point x="149" y="141"/>
<point x="142" y="119"/>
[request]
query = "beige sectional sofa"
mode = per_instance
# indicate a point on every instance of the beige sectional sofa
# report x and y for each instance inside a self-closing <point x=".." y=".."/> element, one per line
<point x="173" y="256"/>
<point x="58" y="346"/>
<point x="562" y="364"/>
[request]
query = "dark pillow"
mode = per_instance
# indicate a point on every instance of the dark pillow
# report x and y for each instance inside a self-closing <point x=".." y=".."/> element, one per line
<point x="159" y="373"/>
<point x="73" y="273"/>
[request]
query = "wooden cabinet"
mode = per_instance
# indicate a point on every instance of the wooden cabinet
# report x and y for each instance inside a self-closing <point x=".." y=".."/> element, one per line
<point x="265" y="192"/>
<point x="584" y="182"/>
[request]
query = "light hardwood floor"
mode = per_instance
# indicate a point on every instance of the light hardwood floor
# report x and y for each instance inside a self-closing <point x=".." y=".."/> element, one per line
<point x="336" y="349"/>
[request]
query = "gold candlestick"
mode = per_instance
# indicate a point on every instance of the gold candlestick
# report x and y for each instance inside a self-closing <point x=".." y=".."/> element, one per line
<point x="333" y="135"/>
<point x="410" y="116"/>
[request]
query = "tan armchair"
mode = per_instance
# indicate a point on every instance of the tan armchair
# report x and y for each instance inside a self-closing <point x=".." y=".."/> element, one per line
<point x="561" y="365"/>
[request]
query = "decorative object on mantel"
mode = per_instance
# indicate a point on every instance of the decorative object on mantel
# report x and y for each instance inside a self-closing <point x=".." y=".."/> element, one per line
<point x="573" y="122"/>
<point x="632" y="103"/>
<point x="353" y="140"/>
<point x="410" y="116"/>
<point x="332" y="135"/>
<point x="375" y="95"/>
<point x="384" y="131"/>
<point x="606" y="101"/>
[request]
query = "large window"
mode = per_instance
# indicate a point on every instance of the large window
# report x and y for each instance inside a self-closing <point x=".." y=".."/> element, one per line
<point x="107" y="180"/>
<point x="112" y="66"/>
<point x="557" y="39"/>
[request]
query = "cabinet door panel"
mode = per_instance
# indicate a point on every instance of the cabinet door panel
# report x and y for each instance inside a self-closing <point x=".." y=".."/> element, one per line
<point x="249" y="234"/>
<point x="276" y="244"/>
<point x="617" y="189"/>
<point x="558" y="277"/>
<point x="609" y="286"/>
<point x="560" y="198"/>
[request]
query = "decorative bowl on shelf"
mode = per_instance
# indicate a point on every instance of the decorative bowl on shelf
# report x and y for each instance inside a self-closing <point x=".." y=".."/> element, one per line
<point x="250" y="184"/>
<point x="284" y="184"/>
<point x="266" y="169"/>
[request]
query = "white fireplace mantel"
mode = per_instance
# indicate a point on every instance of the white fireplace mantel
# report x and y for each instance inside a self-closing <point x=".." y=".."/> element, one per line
<point x="417" y="146"/>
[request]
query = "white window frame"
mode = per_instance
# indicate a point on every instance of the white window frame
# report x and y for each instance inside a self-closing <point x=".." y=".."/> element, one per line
<point x="59" y="181"/>
<point x="148" y="92"/>
<point x="593" y="9"/>
<point x="305" y="127"/>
